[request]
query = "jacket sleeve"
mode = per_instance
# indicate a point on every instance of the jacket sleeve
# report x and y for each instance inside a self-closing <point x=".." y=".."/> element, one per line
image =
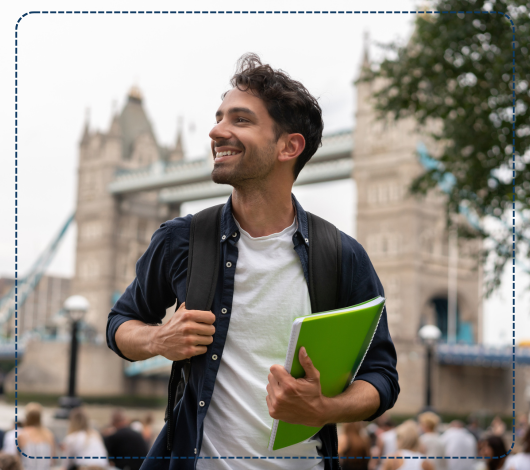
<point x="360" y="283"/>
<point x="154" y="288"/>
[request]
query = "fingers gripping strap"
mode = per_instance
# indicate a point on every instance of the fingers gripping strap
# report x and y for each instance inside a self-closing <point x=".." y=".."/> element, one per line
<point x="201" y="281"/>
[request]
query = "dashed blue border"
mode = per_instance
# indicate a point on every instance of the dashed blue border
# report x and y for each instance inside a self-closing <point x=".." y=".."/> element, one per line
<point x="275" y="12"/>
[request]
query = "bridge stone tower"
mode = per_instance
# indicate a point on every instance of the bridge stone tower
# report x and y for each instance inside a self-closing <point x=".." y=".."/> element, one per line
<point x="114" y="231"/>
<point x="407" y="241"/>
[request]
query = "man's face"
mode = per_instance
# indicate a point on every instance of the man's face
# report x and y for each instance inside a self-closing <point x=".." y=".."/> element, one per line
<point x="245" y="127"/>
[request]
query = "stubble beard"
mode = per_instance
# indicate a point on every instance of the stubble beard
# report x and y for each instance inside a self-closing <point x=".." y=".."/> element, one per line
<point x="250" y="171"/>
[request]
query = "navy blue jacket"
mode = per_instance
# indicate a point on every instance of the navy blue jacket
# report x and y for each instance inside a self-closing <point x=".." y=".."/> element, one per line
<point x="161" y="277"/>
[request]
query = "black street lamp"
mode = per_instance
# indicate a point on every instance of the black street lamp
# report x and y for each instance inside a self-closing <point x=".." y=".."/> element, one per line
<point x="429" y="335"/>
<point x="75" y="308"/>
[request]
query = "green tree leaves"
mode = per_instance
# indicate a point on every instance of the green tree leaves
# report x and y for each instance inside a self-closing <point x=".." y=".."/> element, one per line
<point x="471" y="74"/>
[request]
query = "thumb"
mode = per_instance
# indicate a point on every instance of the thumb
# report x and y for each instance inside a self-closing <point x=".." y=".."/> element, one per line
<point x="310" y="371"/>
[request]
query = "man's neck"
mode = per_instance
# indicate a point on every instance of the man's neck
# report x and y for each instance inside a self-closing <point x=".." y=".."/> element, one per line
<point x="262" y="212"/>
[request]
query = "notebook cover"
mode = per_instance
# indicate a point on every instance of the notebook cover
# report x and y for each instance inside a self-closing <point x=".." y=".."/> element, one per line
<point x="336" y="342"/>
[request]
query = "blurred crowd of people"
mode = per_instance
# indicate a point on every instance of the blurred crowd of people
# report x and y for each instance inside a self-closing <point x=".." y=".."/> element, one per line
<point x="84" y="446"/>
<point x="381" y="445"/>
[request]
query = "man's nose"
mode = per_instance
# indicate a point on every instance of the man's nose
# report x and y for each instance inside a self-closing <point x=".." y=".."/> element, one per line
<point x="219" y="131"/>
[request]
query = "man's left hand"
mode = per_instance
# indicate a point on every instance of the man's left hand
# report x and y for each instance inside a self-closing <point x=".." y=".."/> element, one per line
<point x="296" y="401"/>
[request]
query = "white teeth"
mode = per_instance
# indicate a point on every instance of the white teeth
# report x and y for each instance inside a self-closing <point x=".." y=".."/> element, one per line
<point x="222" y="154"/>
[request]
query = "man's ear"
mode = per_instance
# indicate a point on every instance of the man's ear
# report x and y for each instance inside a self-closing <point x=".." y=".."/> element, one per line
<point x="293" y="145"/>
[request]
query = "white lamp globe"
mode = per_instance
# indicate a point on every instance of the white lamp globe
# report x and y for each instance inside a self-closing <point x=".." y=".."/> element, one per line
<point x="430" y="333"/>
<point x="76" y="307"/>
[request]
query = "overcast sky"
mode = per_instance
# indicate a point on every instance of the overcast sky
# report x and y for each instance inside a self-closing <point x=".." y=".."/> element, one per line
<point x="182" y="64"/>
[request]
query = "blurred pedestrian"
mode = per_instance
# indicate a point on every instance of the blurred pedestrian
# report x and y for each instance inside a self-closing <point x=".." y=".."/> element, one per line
<point x="387" y="441"/>
<point x="124" y="442"/>
<point x="497" y="427"/>
<point x="83" y="441"/>
<point x="521" y="425"/>
<point x="354" y="444"/>
<point x="9" y="462"/>
<point x="520" y="461"/>
<point x="408" y="456"/>
<point x="10" y="440"/>
<point x="35" y="440"/>
<point x="473" y="426"/>
<point x="459" y="442"/>
<point x="431" y="441"/>
<point x="147" y="432"/>
<point x="491" y="448"/>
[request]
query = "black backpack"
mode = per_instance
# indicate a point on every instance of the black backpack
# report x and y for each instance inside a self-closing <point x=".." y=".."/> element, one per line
<point x="325" y="251"/>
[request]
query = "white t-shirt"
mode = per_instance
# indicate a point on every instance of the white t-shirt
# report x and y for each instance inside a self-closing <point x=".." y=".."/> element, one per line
<point x="269" y="292"/>
<point x="459" y="442"/>
<point x="389" y="439"/>
<point x="10" y="442"/>
<point x="434" y="447"/>
<point x="413" y="462"/>
<point x="83" y="444"/>
<point x="518" y="461"/>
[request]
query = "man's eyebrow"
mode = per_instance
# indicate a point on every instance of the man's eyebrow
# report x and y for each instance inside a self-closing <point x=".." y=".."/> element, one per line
<point x="237" y="110"/>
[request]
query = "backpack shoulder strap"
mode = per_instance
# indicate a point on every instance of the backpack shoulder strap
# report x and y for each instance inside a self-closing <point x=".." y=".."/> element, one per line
<point x="201" y="281"/>
<point x="325" y="264"/>
<point x="203" y="258"/>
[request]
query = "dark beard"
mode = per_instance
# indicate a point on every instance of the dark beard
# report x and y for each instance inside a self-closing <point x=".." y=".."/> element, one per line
<point x="251" y="168"/>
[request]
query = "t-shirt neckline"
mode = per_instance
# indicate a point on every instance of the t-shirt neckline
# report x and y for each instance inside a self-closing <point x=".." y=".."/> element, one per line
<point x="272" y="235"/>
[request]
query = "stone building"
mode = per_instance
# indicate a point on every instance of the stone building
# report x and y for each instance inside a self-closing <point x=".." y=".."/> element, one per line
<point x="408" y="243"/>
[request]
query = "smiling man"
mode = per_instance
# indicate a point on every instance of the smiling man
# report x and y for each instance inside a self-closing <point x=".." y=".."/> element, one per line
<point x="267" y="127"/>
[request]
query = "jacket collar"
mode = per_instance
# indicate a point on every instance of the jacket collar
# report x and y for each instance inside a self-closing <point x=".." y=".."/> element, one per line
<point x="229" y="228"/>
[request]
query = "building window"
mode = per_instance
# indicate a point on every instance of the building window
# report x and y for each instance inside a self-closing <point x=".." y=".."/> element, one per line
<point x="89" y="269"/>
<point x="91" y="230"/>
<point x="384" y="192"/>
<point x="384" y="244"/>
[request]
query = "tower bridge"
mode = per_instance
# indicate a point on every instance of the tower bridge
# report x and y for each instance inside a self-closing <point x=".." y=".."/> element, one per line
<point x="190" y="180"/>
<point x="129" y="184"/>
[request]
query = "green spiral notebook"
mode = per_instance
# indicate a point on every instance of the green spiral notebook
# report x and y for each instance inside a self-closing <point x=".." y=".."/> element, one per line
<point x="337" y="342"/>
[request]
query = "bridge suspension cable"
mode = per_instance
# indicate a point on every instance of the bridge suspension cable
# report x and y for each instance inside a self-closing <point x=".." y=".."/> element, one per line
<point x="23" y="288"/>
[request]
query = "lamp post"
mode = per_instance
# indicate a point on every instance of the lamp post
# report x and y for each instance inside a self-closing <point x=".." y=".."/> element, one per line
<point x="75" y="307"/>
<point x="429" y="335"/>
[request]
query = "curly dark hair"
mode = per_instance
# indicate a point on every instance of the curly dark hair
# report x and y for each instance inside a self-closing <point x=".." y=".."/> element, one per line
<point x="292" y="108"/>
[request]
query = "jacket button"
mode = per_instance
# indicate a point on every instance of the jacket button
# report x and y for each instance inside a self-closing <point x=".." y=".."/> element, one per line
<point x="224" y="310"/>
<point x="201" y="403"/>
<point x="234" y="234"/>
<point x="195" y="450"/>
<point x="214" y="357"/>
<point x="229" y="264"/>
<point x="307" y="240"/>
<point x="224" y="237"/>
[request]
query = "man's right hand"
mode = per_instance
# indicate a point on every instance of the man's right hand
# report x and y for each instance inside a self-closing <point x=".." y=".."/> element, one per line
<point x="186" y="334"/>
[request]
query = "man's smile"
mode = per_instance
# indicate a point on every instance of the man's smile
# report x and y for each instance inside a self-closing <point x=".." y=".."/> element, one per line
<point x="222" y="154"/>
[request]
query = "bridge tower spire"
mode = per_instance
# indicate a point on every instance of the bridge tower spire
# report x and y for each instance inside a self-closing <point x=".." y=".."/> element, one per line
<point x="86" y="127"/>
<point x="178" y="151"/>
